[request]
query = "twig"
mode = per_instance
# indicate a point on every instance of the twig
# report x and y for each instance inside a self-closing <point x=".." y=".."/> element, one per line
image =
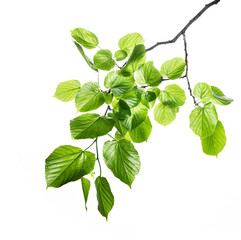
<point x="111" y="136"/>
<point x="186" y="59"/>
<point x="107" y="109"/>
<point x="206" y="7"/>
<point x="97" y="155"/>
<point x="117" y="66"/>
<point x="90" y="145"/>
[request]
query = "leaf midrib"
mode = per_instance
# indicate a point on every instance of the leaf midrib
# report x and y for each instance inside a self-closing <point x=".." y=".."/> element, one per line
<point x="65" y="168"/>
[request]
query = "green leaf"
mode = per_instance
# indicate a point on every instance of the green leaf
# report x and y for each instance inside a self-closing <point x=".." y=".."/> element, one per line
<point x="146" y="97"/>
<point x="142" y="132"/>
<point x="122" y="159"/>
<point x="84" y="37"/>
<point x="88" y="61"/>
<point x="66" y="91"/>
<point x="137" y="58"/>
<point x="203" y="92"/>
<point x="118" y="124"/>
<point x="141" y="94"/>
<point x="103" y="60"/>
<point x="66" y="164"/>
<point x="122" y="110"/>
<point x="90" y="125"/>
<point x="203" y="120"/>
<point x="130" y="97"/>
<point x="129" y="41"/>
<point x="118" y="136"/>
<point x="114" y="102"/>
<point x="120" y="55"/>
<point x="86" y="188"/>
<point x="108" y="97"/>
<point x="157" y="93"/>
<point x="219" y="97"/>
<point x="152" y="104"/>
<point x="89" y="97"/>
<point x="104" y="196"/>
<point x="214" y="144"/>
<point x="164" y="115"/>
<point x="148" y="74"/>
<point x="173" y="68"/>
<point x="118" y="83"/>
<point x="138" y="115"/>
<point x="172" y="96"/>
<point x="150" y="95"/>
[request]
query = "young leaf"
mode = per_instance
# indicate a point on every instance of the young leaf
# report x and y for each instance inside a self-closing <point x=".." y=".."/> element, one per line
<point x="152" y="103"/>
<point x="103" y="60"/>
<point x="118" y="136"/>
<point x="122" y="110"/>
<point x="203" y="92"/>
<point x="146" y="97"/>
<point x="105" y="197"/>
<point x="141" y="94"/>
<point x="173" y="68"/>
<point x="214" y="144"/>
<point x="150" y="95"/>
<point x="137" y="58"/>
<point x="88" y="61"/>
<point x="164" y="115"/>
<point x="86" y="188"/>
<point x="138" y="115"/>
<point x="142" y="132"/>
<point x="84" y="37"/>
<point x="148" y="74"/>
<point x="118" y="83"/>
<point x="219" y="97"/>
<point x="203" y="120"/>
<point x="122" y="159"/>
<point x="157" y="93"/>
<point x="118" y="124"/>
<point x="90" y="125"/>
<point x="172" y="96"/>
<point x="108" y="97"/>
<point x="130" y="97"/>
<point x="120" y="55"/>
<point x="66" y="164"/>
<point x="89" y="97"/>
<point x="66" y="91"/>
<point x="129" y="41"/>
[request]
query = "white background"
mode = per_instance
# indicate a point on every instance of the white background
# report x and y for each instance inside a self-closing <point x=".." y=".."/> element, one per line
<point x="180" y="192"/>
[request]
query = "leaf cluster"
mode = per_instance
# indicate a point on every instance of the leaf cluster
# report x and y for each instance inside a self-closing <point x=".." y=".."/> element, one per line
<point x="131" y="91"/>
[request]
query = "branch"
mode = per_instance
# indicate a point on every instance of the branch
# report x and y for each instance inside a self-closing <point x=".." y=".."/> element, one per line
<point x="206" y="7"/>
<point x="186" y="74"/>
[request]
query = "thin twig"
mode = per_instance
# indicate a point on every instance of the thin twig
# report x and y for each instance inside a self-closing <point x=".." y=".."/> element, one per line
<point x="117" y="66"/>
<point x="206" y="7"/>
<point x="90" y="145"/>
<point x="107" y="109"/>
<point x="186" y="60"/>
<point x="111" y="136"/>
<point x="97" y="155"/>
